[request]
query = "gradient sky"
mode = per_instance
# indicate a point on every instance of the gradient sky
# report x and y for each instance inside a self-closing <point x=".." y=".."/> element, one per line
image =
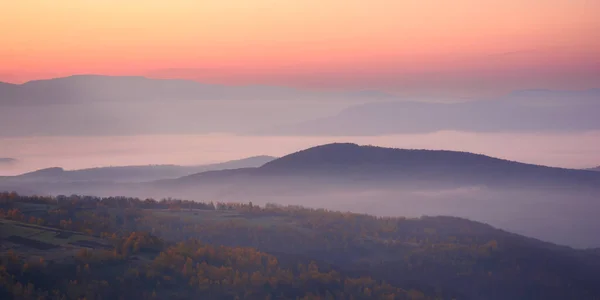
<point x="427" y="46"/>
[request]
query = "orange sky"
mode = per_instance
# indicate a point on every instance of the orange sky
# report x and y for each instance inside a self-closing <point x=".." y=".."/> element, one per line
<point x="402" y="46"/>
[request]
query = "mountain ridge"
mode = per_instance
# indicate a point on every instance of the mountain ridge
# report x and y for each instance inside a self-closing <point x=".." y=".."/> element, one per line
<point x="348" y="162"/>
<point x="91" y="88"/>
<point x="80" y="105"/>
<point x="562" y="111"/>
<point x="136" y="173"/>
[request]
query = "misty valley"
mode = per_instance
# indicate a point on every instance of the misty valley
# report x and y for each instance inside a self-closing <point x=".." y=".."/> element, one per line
<point x="299" y="150"/>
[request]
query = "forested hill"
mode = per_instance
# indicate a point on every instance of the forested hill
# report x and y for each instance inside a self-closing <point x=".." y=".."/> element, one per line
<point x="387" y="164"/>
<point x="348" y="156"/>
<point x="116" y="246"/>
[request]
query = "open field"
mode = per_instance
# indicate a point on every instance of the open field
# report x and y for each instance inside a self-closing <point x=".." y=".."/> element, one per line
<point x="34" y="237"/>
<point x="200" y="216"/>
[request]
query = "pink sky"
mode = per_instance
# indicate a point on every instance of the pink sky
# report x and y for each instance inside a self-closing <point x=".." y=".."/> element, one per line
<point x="459" y="47"/>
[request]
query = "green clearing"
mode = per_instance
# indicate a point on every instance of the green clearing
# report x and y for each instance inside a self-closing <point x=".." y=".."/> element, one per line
<point x="8" y="228"/>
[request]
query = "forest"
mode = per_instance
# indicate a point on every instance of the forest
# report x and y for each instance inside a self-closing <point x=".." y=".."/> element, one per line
<point x="121" y="248"/>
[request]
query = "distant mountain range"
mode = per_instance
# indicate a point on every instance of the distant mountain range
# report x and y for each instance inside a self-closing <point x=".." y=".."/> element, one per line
<point x="136" y="173"/>
<point x="337" y="165"/>
<point x="533" y="111"/>
<point x="79" y="89"/>
<point x="595" y="169"/>
<point x="110" y="105"/>
<point x="113" y="105"/>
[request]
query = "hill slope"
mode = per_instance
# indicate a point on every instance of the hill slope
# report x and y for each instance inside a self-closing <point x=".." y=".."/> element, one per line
<point x="387" y="165"/>
<point x="552" y="204"/>
<point x="136" y="173"/>
<point x="245" y="248"/>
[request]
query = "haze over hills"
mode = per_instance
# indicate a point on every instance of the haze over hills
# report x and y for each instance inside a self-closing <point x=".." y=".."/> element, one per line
<point x="78" y="89"/>
<point x="552" y="204"/>
<point x="122" y="105"/>
<point x="135" y="173"/>
<point x="522" y="111"/>
<point x="405" y="150"/>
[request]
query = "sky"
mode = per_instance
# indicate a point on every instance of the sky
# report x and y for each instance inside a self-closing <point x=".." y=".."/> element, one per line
<point x="458" y="47"/>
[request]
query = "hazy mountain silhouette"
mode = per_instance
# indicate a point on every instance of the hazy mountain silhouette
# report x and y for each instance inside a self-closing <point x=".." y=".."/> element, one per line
<point x="595" y="169"/>
<point x="340" y="165"/>
<point x="112" y="105"/>
<point x="370" y="164"/>
<point x="7" y="88"/>
<point x="520" y="111"/>
<point x="546" y="94"/>
<point x="135" y="173"/>
<point x="100" y="88"/>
